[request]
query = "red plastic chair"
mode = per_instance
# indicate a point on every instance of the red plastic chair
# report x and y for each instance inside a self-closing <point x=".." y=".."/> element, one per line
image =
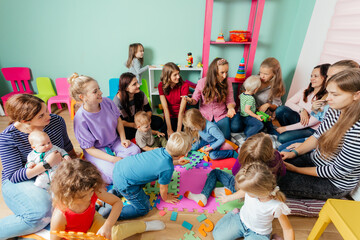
<point x="63" y="95"/>
<point x="19" y="77"/>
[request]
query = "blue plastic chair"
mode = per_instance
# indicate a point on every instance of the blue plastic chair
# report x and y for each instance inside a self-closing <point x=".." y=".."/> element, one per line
<point x="113" y="87"/>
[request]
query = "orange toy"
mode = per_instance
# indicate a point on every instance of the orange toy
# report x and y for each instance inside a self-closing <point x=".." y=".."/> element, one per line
<point x="78" y="235"/>
<point x="240" y="36"/>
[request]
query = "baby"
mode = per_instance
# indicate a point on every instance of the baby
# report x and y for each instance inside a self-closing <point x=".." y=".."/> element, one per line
<point x="144" y="135"/>
<point x="42" y="148"/>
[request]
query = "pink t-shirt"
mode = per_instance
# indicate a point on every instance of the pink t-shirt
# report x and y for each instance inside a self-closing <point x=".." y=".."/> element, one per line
<point x="174" y="98"/>
<point x="213" y="110"/>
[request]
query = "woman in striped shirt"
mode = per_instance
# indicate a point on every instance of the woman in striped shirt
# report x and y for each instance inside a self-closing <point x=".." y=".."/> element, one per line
<point x="30" y="204"/>
<point x="332" y="170"/>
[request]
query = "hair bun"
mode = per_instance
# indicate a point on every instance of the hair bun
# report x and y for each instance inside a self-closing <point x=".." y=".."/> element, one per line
<point x="71" y="79"/>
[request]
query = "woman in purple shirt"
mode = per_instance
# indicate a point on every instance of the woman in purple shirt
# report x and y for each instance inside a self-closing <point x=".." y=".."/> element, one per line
<point x="216" y="94"/>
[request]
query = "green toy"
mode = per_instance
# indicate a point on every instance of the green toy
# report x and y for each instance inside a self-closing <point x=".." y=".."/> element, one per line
<point x="264" y="116"/>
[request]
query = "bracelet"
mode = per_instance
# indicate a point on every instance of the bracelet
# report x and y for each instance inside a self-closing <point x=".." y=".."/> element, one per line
<point x="294" y="151"/>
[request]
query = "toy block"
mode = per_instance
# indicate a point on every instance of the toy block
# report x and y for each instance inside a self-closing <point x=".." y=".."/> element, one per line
<point x="173" y="216"/>
<point x="201" y="218"/>
<point x="203" y="229"/>
<point x="205" y="164"/>
<point x="77" y="235"/>
<point x="187" y="225"/>
<point x="223" y="208"/>
<point x="162" y="213"/>
<point x="180" y="197"/>
<point x="190" y="236"/>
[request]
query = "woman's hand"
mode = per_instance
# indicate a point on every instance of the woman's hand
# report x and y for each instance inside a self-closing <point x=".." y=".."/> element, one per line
<point x="115" y="159"/>
<point x="105" y="231"/>
<point x="281" y="129"/>
<point x="317" y="105"/>
<point x="304" y="117"/>
<point x="293" y="146"/>
<point x="290" y="167"/>
<point x="125" y="143"/>
<point x="54" y="158"/>
<point x="67" y="157"/>
<point x="231" y="112"/>
<point x="264" y="107"/>
<point x="287" y="155"/>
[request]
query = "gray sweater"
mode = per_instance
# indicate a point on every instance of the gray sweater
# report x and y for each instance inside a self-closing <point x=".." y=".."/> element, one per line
<point x="137" y="70"/>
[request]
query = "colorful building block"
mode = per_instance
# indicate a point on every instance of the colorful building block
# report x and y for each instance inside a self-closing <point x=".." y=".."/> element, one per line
<point x="190" y="236"/>
<point x="173" y="216"/>
<point x="162" y="213"/>
<point x="187" y="225"/>
<point x="201" y="218"/>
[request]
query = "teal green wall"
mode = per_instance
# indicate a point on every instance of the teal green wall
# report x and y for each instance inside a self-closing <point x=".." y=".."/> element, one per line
<point x="56" y="38"/>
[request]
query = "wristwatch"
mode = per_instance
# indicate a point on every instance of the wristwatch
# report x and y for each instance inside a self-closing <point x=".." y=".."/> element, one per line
<point x="46" y="165"/>
<point x="301" y="109"/>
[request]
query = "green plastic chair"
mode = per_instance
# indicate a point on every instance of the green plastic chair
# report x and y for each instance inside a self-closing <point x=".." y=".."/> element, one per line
<point x="45" y="88"/>
<point x="145" y="89"/>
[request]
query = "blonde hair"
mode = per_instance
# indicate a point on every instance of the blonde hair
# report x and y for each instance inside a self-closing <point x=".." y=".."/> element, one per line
<point x="133" y="48"/>
<point x="252" y="83"/>
<point x="346" y="64"/>
<point x="194" y="122"/>
<point x="141" y="118"/>
<point x="256" y="178"/>
<point x="72" y="178"/>
<point x="77" y="85"/>
<point x="36" y="135"/>
<point x="348" y="81"/>
<point x="179" y="144"/>
<point x="277" y="85"/>
<point x="23" y="107"/>
<point x="165" y="77"/>
<point x="214" y="89"/>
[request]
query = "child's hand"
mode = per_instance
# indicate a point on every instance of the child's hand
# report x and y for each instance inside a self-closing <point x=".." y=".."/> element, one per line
<point x="207" y="149"/>
<point x="31" y="165"/>
<point x="105" y="231"/>
<point x="223" y="198"/>
<point x="152" y="66"/>
<point x="169" y="132"/>
<point x="160" y="134"/>
<point x="125" y="143"/>
<point x="187" y="98"/>
<point x="171" y="198"/>
<point x="258" y="117"/>
<point x="182" y="161"/>
<point x="67" y="157"/>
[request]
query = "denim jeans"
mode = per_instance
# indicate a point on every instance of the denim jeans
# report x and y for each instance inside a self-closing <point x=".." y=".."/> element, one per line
<point x="231" y="227"/>
<point x="295" y="134"/>
<point x="215" y="175"/>
<point x="213" y="154"/>
<point x="140" y="204"/>
<point x="286" y="116"/>
<point x="251" y="125"/>
<point x="282" y="147"/>
<point x="236" y="124"/>
<point x="31" y="206"/>
<point x="296" y="185"/>
<point x="224" y="125"/>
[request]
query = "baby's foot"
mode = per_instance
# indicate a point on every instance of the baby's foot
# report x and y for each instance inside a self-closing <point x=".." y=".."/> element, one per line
<point x="154" y="225"/>
<point x="198" y="198"/>
<point x="220" y="191"/>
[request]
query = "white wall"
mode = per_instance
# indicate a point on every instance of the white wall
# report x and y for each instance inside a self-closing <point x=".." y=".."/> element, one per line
<point x="313" y="44"/>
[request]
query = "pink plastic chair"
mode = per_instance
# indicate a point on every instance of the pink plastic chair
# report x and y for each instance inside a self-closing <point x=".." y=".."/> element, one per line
<point x="63" y="96"/>
<point x="19" y="77"/>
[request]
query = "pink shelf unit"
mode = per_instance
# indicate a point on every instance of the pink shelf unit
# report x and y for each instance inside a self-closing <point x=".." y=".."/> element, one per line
<point x="256" y="11"/>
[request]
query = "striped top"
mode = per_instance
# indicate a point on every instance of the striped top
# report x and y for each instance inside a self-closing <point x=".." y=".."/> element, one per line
<point x="15" y="147"/>
<point x="343" y="168"/>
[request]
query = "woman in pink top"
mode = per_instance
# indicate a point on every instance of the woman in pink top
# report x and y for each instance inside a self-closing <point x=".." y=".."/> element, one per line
<point x="295" y="117"/>
<point x="216" y="94"/>
<point x="171" y="90"/>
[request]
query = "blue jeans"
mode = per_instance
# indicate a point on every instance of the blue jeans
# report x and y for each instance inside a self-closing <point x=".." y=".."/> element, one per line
<point x="286" y="116"/>
<point x="215" y="175"/>
<point x="282" y="148"/>
<point x="215" y="153"/>
<point x="140" y="204"/>
<point x="31" y="206"/>
<point x="295" y="134"/>
<point x="231" y="227"/>
<point x="224" y="125"/>
<point x="249" y="125"/>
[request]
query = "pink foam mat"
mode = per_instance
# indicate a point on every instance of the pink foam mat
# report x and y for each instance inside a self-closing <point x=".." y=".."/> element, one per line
<point x="192" y="180"/>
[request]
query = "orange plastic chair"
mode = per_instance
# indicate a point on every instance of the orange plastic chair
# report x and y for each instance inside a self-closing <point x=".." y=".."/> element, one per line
<point x="19" y="77"/>
<point x="45" y="88"/>
<point x="63" y="95"/>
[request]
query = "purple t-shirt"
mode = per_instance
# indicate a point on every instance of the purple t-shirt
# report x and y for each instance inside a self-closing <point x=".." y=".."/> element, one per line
<point x="279" y="171"/>
<point x="97" y="129"/>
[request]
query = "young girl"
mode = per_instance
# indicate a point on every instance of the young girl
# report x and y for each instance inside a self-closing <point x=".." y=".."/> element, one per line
<point x="206" y="133"/>
<point x="263" y="201"/>
<point x="98" y="126"/>
<point x="216" y="93"/>
<point x="136" y="60"/>
<point x="257" y="148"/>
<point x="76" y="186"/>
<point x="172" y="89"/>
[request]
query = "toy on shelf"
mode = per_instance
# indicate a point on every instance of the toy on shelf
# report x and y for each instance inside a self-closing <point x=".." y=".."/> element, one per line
<point x="240" y="75"/>
<point x="190" y="60"/>
<point x="199" y="65"/>
<point x="239" y="36"/>
<point x="264" y="116"/>
<point x="77" y="235"/>
<point x="220" y="38"/>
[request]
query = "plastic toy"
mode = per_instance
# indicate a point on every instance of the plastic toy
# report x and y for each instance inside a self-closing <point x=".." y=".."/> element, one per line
<point x="203" y="229"/>
<point x="77" y="235"/>
<point x="201" y="218"/>
<point x="240" y="75"/>
<point x="173" y="216"/>
<point x="264" y="116"/>
<point x="199" y="65"/>
<point x="220" y="38"/>
<point x="162" y="213"/>
<point x="190" y="236"/>
<point x="239" y="36"/>
<point x="187" y="225"/>
<point x="190" y="60"/>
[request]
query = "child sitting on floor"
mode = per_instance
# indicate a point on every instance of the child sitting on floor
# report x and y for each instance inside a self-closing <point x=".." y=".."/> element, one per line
<point x="206" y="133"/>
<point x="145" y="136"/>
<point x="257" y="148"/>
<point x="132" y="173"/>
<point x="42" y="148"/>
<point x="263" y="202"/>
<point x="76" y="186"/>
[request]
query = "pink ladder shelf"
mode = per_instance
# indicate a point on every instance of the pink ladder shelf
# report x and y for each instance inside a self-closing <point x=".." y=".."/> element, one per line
<point x="256" y="11"/>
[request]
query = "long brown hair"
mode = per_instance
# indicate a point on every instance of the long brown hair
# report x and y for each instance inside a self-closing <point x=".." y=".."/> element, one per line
<point x="214" y="89"/>
<point x="348" y="81"/>
<point x="165" y="77"/>
<point x="277" y="84"/>
<point x="133" y="48"/>
<point x="323" y="73"/>
<point x="194" y="119"/>
<point x="73" y="177"/>
<point x="23" y="107"/>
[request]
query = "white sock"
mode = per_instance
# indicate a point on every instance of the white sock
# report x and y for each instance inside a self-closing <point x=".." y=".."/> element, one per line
<point x="220" y="190"/>
<point x="198" y="198"/>
<point x="154" y="225"/>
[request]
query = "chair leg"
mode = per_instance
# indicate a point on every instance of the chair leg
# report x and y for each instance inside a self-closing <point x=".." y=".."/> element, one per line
<point x="320" y="225"/>
<point x="49" y="106"/>
<point x="59" y="105"/>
